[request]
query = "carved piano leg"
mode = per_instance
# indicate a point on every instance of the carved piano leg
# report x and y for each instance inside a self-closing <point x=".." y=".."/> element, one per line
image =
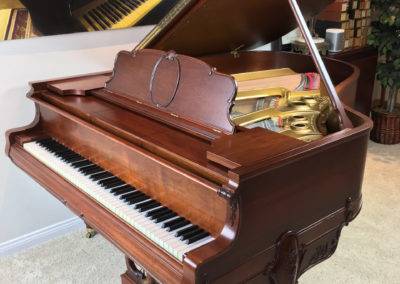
<point x="134" y="275"/>
<point x="90" y="232"/>
<point x="284" y="270"/>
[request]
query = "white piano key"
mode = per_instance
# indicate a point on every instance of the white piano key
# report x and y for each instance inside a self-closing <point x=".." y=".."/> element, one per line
<point x="138" y="220"/>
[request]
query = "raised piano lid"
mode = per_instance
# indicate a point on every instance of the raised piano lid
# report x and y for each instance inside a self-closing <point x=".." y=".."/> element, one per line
<point x="204" y="27"/>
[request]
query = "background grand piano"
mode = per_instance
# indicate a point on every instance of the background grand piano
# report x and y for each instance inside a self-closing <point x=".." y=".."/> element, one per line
<point x="49" y="17"/>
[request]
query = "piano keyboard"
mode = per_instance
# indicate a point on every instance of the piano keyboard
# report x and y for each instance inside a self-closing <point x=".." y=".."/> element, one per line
<point x="115" y="14"/>
<point x="163" y="226"/>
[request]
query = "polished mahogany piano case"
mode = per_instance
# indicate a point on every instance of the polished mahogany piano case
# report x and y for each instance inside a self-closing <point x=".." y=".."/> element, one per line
<point x="275" y="205"/>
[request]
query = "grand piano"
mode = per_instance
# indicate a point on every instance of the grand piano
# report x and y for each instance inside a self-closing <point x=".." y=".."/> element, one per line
<point x="66" y="16"/>
<point x="151" y="156"/>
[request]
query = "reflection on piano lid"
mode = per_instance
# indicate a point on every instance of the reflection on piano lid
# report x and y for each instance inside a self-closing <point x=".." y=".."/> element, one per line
<point x="167" y="229"/>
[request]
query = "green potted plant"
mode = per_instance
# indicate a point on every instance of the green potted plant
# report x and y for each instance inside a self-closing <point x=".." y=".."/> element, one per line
<point x="385" y="36"/>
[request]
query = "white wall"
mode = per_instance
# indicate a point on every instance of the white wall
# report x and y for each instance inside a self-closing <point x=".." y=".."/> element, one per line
<point x="24" y="205"/>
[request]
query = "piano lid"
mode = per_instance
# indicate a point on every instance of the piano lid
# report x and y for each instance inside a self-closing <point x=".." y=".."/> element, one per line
<point x="201" y="27"/>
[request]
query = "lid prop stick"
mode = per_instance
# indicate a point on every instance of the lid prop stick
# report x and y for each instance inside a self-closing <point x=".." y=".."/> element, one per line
<point x="341" y="117"/>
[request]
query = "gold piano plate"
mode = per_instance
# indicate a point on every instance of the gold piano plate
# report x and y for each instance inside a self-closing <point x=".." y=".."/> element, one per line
<point x="300" y="114"/>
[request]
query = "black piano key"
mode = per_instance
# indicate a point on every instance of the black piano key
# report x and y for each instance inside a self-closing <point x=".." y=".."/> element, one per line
<point x="177" y="225"/>
<point x="62" y="152"/>
<point x="56" y="148"/>
<point x="90" y="22"/>
<point x="113" y="10"/>
<point x="73" y="159"/>
<point x="91" y="170"/>
<point x="157" y="211"/>
<point x="67" y="154"/>
<point x="138" y="206"/>
<point x="44" y="141"/>
<point x="131" y="195"/>
<point x="149" y="207"/>
<point x="54" y="144"/>
<point x="191" y="234"/>
<point x="137" y="3"/>
<point x="69" y="158"/>
<point x="165" y="217"/>
<point x="129" y="4"/>
<point x="81" y="164"/>
<point x="197" y="237"/>
<point x="123" y="6"/>
<point x="100" y="176"/>
<point x="97" y="19"/>
<point x="101" y="18"/>
<point x="118" y="8"/>
<point x="111" y="16"/>
<point x="160" y="214"/>
<point x="173" y="222"/>
<point x="186" y="230"/>
<point x="134" y="4"/>
<point x="113" y="184"/>
<point x="94" y="171"/>
<point x="138" y="199"/>
<point x="118" y="16"/>
<point x="109" y="180"/>
<point x="122" y="190"/>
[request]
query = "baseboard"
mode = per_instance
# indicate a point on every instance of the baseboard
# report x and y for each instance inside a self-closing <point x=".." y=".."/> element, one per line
<point x="40" y="236"/>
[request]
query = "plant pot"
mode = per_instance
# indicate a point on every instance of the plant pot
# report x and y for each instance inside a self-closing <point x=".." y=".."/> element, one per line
<point x="386" y="126"/>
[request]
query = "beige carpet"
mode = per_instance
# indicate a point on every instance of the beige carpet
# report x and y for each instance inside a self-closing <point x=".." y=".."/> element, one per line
<point x="369" y="250"/>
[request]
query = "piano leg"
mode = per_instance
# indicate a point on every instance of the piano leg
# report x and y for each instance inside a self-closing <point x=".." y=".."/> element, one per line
<point x="90" y="232"/>
<point x="134" y="275"/>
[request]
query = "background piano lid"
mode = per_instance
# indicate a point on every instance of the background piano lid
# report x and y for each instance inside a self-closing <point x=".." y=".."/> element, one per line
<point x="215" y="26"/>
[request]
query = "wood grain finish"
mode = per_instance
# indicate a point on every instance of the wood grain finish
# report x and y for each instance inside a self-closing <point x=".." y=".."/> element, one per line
<point x="365" y="59"/>
<point x="263" y="196"/>
<point x="233" y="151"/>
<point x="218" y="26"/>
<point x="181" y="87"/>
<point x="78" y="87"/>
<point x="159" y="179"/>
